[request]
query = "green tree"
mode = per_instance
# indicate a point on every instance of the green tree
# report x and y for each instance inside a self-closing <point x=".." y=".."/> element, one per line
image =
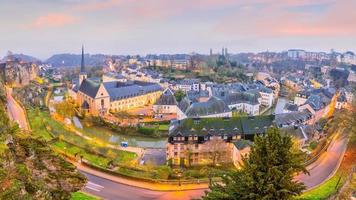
<point x="266" y="174"/>
<point x="65" y="108"/>
<point x="179" y="95"/>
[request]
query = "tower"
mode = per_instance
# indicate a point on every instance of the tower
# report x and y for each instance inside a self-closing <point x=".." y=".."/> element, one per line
<point x="211" y="52"/>
<point x="222" y="51"/>
<point x="82" y="74"/>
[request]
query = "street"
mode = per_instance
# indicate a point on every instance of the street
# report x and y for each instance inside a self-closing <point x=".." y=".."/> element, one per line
<point x="116" y="191"/>
<point x="322" y="168"/>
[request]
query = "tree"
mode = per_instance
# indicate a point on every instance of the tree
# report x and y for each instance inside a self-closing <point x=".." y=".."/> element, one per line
<point x="217" y="148"/>
<point x="65" y="108"/>
<point x="266" y="174"/>
<point x="179" y="95"/>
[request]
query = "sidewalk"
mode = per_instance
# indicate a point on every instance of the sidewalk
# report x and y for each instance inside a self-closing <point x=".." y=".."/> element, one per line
<point x="141" y="184"/>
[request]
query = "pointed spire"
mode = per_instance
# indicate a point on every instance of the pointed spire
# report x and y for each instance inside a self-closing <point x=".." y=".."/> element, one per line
<point x="82" y="67"/>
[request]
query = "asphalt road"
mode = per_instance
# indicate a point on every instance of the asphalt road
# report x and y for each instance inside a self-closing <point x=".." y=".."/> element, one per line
<point x="110" y="190"/>
<point x="326" y="165"/>
<point x="15" y="111"/>
<point x="319" y="171"/>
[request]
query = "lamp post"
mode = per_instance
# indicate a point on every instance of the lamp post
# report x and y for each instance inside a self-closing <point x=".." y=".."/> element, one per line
<point x="65" y="151"/>
<point x="179" y="176"/>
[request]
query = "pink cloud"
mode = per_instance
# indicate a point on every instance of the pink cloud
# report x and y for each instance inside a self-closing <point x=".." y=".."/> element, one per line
<point x="97" y="5"/>
<point x="276" y="21"/>
<point x="54" y="20"/>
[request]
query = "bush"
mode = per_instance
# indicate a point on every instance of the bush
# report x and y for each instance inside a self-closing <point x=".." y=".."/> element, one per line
<point x="313" y="145"/>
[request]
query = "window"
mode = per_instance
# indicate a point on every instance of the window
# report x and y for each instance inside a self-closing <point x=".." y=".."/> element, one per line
<point x="102" y="103"/>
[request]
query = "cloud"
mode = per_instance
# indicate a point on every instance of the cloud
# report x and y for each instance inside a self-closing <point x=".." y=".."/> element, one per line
<point x="53" y="20"/>
<point x="97" y="5"/>
<point x="274" y="20"/>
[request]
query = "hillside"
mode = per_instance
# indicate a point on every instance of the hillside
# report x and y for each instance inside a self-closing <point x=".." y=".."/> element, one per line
<point x="29" y="169"/>
<point x="73" y="60"/>
<point x="21" y="57"/>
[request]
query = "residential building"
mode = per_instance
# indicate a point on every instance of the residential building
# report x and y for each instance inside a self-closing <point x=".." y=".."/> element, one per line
<point x="213" y="107"/>
<point x="112" y="76"/>
<point x="201" y="141"/>
<point x="187" y="85"/>
<point x="301" y="97"/>
<point x="166" y="104"/>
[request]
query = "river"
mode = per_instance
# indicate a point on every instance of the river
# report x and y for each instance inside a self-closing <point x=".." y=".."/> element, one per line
<point x="115" y="138"/>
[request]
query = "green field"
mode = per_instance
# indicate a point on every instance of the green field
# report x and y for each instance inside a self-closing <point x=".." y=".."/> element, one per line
<point x="44" y="126"/>
<point x="83" y="196"/>
<point x="325" y="190"/>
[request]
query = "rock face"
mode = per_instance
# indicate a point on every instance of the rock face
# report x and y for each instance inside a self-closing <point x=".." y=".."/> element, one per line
<point x="18" y="73"/>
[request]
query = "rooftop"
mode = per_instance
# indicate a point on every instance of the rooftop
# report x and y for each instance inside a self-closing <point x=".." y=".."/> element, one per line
<point x="223" y="126"/>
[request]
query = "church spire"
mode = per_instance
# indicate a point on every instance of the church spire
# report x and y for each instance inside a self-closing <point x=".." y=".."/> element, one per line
<point x="82" y="67"/>
<point x="82" y="74"/>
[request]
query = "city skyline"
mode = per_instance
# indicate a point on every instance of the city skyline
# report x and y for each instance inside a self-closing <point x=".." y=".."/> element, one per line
<point x="128" y="27"/>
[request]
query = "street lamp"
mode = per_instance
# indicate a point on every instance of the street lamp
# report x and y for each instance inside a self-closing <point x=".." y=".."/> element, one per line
<point x="65" y="151"/>
<point x="179" y="176"/>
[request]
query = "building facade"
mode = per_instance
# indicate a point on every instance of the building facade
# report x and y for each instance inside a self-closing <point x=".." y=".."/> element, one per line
<point x="201" y="141"/>
<point x="98" y="97"/>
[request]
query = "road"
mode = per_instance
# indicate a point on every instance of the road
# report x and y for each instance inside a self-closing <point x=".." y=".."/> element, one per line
<point x="326" y="165"/>
<point x="16" y="113"/>
<point x="320" y="170"/>
<point x="110" y="190"/>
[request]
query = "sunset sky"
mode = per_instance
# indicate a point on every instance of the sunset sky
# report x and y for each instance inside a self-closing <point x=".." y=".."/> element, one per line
<point x="45" y="27"/>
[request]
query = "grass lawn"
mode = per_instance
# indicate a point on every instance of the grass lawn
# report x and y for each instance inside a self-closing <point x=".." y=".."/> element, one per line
<point x="37" y="123"/>
<point x="72" y="150"/>
<point x="163" y="127"/>
<point x="324" y="190"/>
<point x="83" y="196"/>
<point x="44" y="126"/>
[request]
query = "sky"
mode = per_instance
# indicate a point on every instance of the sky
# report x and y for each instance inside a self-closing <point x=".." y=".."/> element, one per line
<point x="45" y="27"/>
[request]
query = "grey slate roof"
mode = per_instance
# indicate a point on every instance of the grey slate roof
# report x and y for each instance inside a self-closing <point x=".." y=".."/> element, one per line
<point x="291" y="107"/>
<point x="224" y="126"/>
<point x="167" y="98"/>
<point x="119" y="90"/>
<point x="89" y="88"/>
<point x="287" y="119"/>
<point x="115" y="75"/>
<point x="210" y="107"/>
<point x="184" y="104"/>
<point x="195" y="95"/>
<point x="235" y="98"/>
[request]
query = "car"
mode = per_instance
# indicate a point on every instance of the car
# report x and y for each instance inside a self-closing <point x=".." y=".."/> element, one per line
<point x="124" y="144"/>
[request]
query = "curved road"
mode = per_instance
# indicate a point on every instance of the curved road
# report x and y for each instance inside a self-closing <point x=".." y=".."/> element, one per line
<point x="320" y="170"/>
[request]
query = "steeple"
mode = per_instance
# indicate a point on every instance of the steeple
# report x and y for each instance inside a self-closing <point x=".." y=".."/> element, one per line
<point x="82" y="67"/>
<point x="82" y="74"/>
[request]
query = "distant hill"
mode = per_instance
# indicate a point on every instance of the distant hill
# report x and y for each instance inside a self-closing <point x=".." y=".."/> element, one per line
<point x="73" y="60"/>
<point x="22" y="57"/>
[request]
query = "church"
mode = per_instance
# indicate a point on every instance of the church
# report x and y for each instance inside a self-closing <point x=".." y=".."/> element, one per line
<point x="98" y="97"/>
